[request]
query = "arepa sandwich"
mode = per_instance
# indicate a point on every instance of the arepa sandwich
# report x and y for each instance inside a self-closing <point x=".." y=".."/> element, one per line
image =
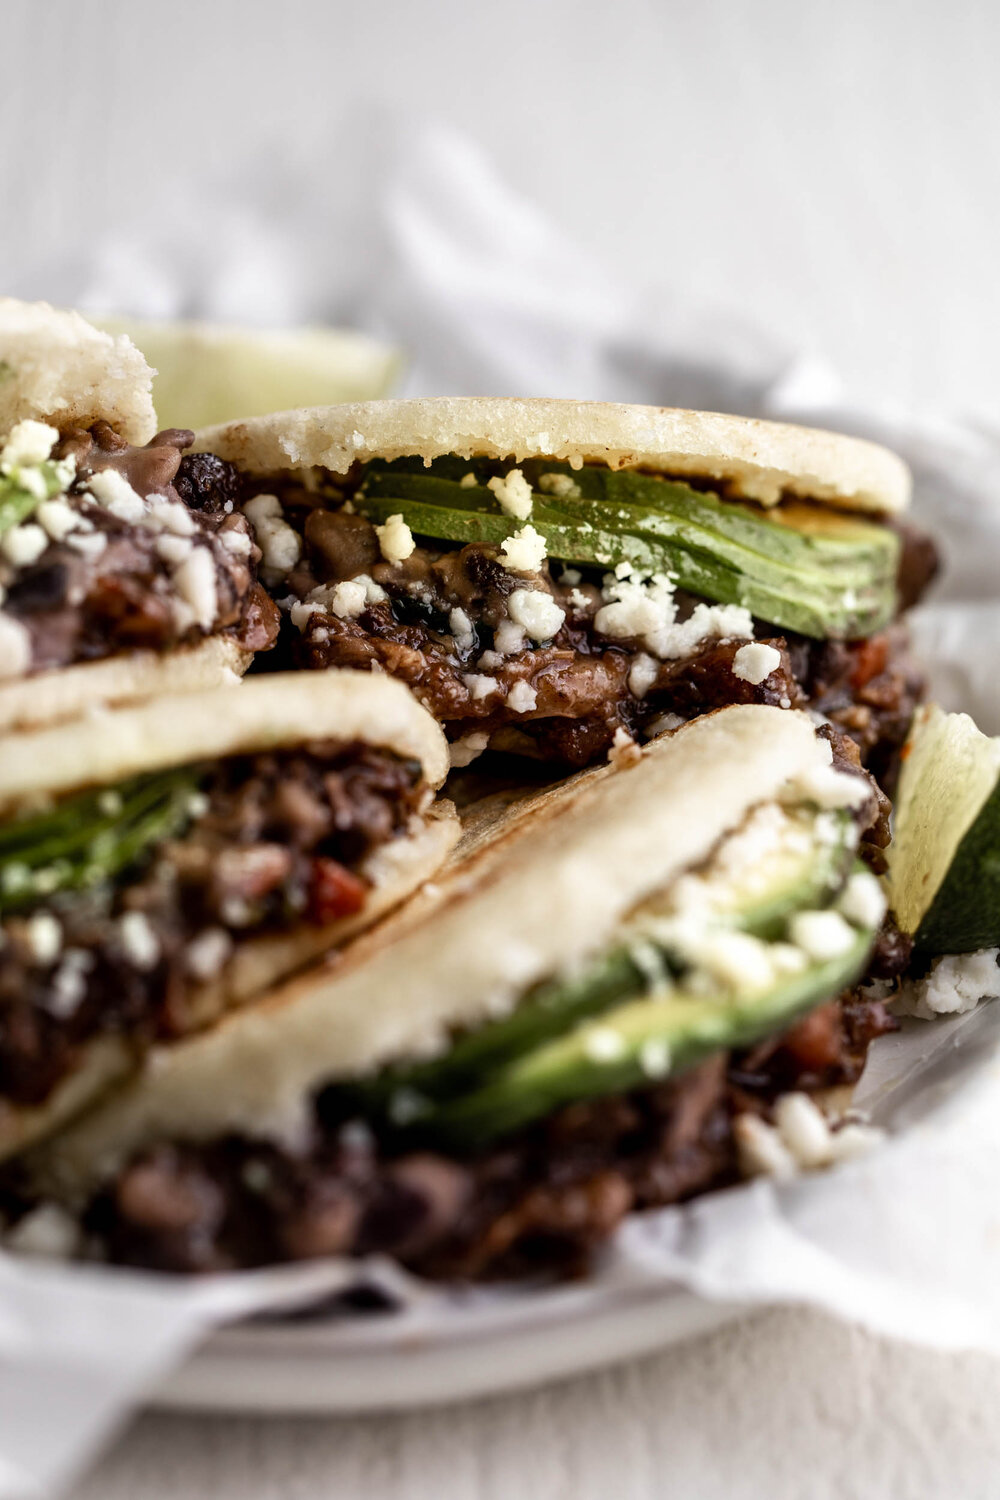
<point x="557" y="577"/>
<point x="164" y="862"/>
<point x="604" y="1002"/>
<point x="126" y="566"/>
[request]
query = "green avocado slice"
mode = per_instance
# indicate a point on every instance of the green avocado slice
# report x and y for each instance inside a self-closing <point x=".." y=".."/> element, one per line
<point x="634" y="1044"/>
<point x="90" y="838"/>
<point x="759" y="899"/>
<point x="833" y="576"/>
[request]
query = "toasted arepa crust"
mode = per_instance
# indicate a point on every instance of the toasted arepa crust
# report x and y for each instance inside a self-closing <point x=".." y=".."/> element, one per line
<point x="264" y="713"/>
<point x="67" y="692"/>
<point x="751" y="459"/>
<point x="539" y="895"/>
<point x="58" y="368"/>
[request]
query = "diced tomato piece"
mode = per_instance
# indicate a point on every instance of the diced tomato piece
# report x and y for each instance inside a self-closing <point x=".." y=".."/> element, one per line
<point x="334" y="892"/>
<point x="870" y="659"/>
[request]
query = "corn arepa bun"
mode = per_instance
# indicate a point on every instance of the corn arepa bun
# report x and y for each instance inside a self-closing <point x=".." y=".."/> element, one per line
<point x="264" y="713"/>
<point x="56" y="367"/>
<point x="750" y="459"/>
<point x="543" y="891"/>
<point x="67" y="692"/>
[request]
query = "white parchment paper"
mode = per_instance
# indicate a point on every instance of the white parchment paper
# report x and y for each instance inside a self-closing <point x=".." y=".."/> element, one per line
<point x="430" y="249"/>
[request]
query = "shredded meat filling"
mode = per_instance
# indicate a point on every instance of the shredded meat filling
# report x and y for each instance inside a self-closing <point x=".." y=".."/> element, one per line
<point x="564" y="699"/>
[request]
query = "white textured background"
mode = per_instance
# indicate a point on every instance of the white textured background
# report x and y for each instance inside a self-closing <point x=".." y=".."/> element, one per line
<point x="831" y="170"/>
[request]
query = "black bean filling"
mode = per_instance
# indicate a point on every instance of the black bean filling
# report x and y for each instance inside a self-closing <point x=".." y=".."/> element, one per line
<point x="542" y="1202"/>
<point x="275" y="841"/>
<point x="83" y="604"/>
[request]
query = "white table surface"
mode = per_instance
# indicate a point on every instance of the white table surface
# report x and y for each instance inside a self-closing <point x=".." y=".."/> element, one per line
<point x="829" y="168"/>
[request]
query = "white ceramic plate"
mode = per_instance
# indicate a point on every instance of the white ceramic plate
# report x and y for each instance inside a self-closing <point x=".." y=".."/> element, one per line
<point x="382" y="1362"/>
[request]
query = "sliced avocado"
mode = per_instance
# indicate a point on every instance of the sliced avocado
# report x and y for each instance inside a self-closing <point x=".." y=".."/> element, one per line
<point x="835" y="577"/>
<point x="92" y="837"/>
<point x="644" y="1041"/>
<point x="756" y="893"/>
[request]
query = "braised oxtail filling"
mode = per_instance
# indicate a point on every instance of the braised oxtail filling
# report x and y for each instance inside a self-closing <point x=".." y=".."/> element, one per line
<point x="559" y="612"/>
<point x="123" y="907"/>
<point x="106" y="548"/>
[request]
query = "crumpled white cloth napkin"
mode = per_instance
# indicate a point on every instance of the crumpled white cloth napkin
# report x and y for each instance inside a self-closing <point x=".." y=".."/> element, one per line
<point x="425" y="245"/>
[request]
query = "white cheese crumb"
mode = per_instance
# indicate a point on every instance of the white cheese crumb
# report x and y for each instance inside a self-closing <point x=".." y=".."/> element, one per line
<point x="58" y="518"/>
<point x="736" y="959"/>
<point x="761" y="1151"/>
<point x="955" y="984"/>
<point x="15" y="647"/>
<point x="524" y="552"/>
<point x="491" y="659"/>
<point x="804" y="1130"/>
<point x="23" y="545"/>
<point x="624" y="750"/>
<point x="208" y="952"/>
<point x="603" y="1044"/>
<point x="513" y="493"/>
<point x="755" y="662"/>
<point x="346" y="600"/>
<point x="48" y="1231"/>
<point x="522" y="698"/>
<point x="69" y="983"/>
<point x="139" y="942"/>
<point x="854" y="1140"/>
<point x="395" y="539"/>
<point x="469" y="748"/>
<point x="173" y="549"/>
<point x="480" y="686"/>
<point x="302" y="610"/>
<point x="654" y="1057"/>
<point x="194" y="579"/>
<point x="536" y="612"/>
<point x="862" y="900"/>
<point x="508" y="638"/>
<point x="560" y="485"/>
<point x="44" y="938"/>
<point x="88" y="543"/>
<point x="29" y="442"/>
<point x="236" y="542"/>
<point x="571" y="577"/>
<point x="832" y="789"/>
<point x="113" y="491"/>
<point x="578" y="600"/>
<point x="461" y="628"/>
<point x="822" y="934"/>
<point x="468" y="481"/>
<point x="263" y="508"/>
<point x="665" y="724"/>
<point x="642" y="675"/>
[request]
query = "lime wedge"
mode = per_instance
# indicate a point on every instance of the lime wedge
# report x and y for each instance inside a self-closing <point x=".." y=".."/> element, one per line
<point x="208" y="372"/>
<point x="944" y="861"/>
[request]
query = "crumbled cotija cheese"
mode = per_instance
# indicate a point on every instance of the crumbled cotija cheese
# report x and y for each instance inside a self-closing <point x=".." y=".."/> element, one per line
<point x="22" y="545"/>
<point x="113" y="491"/>
<point x="139" y="942"/>
<point x="194" y="579"/>
<point x="58" y="518"/>
<point x="395" y="539"/>
<point x="208" y="952"/>
<point x="508" y="639"/>
<point x="537" y="612"/>
<point x="642" y="675"/>
<point x="524" y="552"/>
<point x="821" y="934"/>
<point x="955" y="984"/>
<point x="560" y="485"/>
<point x="280" y="544"/>
<point x="29" y="442"/>
<point x="755" y="662"/>
<point x="479" y="685"/>
<point x="522" y="698"/>
<point x="513" y="493"/>
<point x="44" y="937"/>
<point x="862" y="900"/>
<point x="468" y="481"/>
<point x="15" y="647"/>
